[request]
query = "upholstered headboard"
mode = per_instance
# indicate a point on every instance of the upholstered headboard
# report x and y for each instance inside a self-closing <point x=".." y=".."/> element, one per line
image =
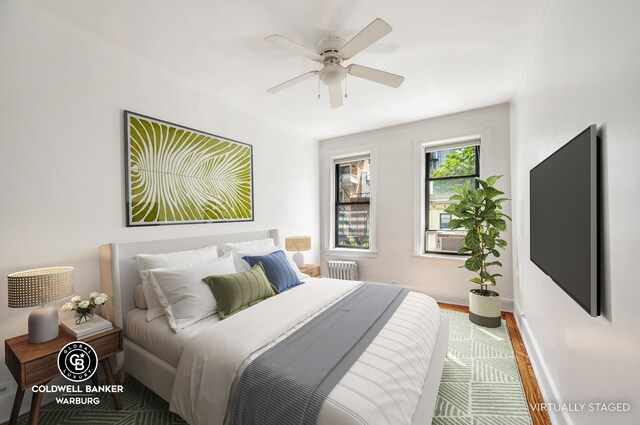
<point x="119" y="274"/>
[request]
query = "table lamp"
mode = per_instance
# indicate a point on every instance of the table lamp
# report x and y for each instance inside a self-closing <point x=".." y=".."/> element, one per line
<point x="38" y="287"/>
<point x="298" y="243"/>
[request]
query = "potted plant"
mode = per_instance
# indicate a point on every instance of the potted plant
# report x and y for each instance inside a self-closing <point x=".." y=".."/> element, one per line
<point x="479" y="212"/>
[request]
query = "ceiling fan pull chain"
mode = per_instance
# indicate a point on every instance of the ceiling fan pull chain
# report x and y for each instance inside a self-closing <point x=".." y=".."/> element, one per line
<point x="318" y="88"/>
<point x="345" y="87"/>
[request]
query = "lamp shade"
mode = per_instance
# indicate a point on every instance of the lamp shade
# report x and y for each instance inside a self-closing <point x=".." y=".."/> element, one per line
<point x="39" y="286"/>
<point x="297" y="243"/>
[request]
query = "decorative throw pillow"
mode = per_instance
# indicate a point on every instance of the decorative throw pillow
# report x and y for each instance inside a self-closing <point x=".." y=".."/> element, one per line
<point x="277" y="268"/>
<point x="243" y="266"/>
<point x="182" y="294"/>
<point x="168" y="260"/>
<point x="235" y="292"/>
<point x="139" y="298"/>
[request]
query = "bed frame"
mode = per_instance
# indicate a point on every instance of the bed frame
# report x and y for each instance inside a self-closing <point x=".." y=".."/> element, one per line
<point x="119" y="277"/>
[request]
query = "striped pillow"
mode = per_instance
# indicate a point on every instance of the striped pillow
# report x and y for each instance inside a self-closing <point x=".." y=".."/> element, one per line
<point x="237" y="291"/>
<point x="278" y="269"/>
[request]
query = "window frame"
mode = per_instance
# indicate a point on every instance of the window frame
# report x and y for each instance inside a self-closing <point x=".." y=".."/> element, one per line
<point x="475" y="143"/>
<point x="337" y="203"/>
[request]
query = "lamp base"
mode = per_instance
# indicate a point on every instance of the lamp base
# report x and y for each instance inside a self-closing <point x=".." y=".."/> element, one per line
<point x="298" y="258"/>
<point x="43" y="324"/>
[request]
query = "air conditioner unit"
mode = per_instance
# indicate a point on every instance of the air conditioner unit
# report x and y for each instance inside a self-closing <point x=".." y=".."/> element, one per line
<point x="449" y="241"/>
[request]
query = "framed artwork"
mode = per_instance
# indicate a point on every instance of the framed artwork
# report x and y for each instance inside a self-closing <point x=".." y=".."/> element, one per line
<point x="178" y="175"/>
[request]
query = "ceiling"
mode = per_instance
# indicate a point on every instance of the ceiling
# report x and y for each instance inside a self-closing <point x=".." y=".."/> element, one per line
<point x="455" y="55"/>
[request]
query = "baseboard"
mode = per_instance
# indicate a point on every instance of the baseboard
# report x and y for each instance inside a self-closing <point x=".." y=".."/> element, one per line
<point x="545" y="380"/>
<point x="462" y="299"/>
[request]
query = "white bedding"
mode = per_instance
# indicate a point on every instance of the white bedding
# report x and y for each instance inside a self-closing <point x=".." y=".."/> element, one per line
<point x="157" y="337"/>
<point x="382" y="387"/>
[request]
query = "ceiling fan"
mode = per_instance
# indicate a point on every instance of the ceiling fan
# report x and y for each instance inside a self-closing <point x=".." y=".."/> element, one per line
<point x="332" y="51"/>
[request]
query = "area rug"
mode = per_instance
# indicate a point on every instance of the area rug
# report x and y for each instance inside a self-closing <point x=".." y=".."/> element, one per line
<point x="480" y="382"/>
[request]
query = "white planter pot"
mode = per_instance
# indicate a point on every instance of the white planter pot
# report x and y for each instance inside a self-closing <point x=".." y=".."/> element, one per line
<point x="484" y="310"/>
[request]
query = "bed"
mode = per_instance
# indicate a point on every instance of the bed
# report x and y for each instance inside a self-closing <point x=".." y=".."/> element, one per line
<point x="408" y="352"/>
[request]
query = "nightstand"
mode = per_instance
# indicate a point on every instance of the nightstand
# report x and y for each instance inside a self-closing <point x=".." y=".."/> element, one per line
<point x="312" y="270"/>
<point x="37" y="364"/>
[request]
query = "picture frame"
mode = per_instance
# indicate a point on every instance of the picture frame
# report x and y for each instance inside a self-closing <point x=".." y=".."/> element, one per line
<point x="179" y="175"/>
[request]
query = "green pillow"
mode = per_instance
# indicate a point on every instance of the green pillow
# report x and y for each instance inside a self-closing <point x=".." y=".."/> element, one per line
<point x="235" y="292"/>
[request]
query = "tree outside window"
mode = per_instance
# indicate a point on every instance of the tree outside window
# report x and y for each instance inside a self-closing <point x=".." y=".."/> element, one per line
<point x="446" y="169"/>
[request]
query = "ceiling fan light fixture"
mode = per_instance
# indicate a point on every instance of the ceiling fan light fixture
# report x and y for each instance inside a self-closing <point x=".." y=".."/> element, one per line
<point x="332" y="74"/>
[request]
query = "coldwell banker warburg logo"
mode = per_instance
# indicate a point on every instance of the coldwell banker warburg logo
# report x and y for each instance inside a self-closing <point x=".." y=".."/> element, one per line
<point x="77" y="361"/>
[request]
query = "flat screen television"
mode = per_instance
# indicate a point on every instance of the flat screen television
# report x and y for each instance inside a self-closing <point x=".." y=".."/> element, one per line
<point x="564" y="190"/>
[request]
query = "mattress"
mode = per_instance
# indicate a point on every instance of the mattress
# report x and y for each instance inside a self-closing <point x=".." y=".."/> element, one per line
<point x="157" y="337"/>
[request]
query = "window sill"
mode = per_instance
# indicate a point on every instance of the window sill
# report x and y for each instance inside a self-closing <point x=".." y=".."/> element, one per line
<point x="458" y="258"/>
<point x="349" y="252"/>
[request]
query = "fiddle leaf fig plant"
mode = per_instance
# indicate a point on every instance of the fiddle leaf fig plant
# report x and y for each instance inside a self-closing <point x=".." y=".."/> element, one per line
<point x="479" y="212"/>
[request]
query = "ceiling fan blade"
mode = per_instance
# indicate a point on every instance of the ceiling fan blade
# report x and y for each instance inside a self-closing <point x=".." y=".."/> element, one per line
<point x="281" y="41"/>
<point x="293" y="81"/>
<point x="365" y="38"/>
<point x="335" y="95"/>
<point x="375" y="75"/>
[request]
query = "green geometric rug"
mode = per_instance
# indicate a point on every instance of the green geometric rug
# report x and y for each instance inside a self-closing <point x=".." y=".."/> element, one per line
<point x="480" y="382"/>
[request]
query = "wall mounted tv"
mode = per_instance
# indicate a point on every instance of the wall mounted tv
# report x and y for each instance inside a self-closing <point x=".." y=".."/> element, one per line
<point x="564" y="190"/>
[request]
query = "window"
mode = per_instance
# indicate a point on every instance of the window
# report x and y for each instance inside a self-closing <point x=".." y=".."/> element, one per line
<point x="352" y="203"/>
<point x="446" y="168"/>
<point x="445" y="218"/>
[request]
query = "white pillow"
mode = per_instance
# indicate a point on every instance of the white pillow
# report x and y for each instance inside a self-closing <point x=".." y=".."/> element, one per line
<point x="243" y="266"/>
<point x="259" y="245"/>
<point x="183" y="295"/>
<point x="169" y="260"/>
<point x="141" y="301"/>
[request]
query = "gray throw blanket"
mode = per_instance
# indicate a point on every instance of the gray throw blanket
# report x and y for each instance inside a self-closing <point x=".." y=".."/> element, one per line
<point x="287" y="384"/>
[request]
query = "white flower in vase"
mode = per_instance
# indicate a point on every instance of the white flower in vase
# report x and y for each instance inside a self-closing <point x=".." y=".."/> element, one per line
<point x="99" y="300"/>
<point x="76" y="298"/>
<point x="94" y="294"/>
<point x="83" y="304"/>
<point x="67" y="307"/>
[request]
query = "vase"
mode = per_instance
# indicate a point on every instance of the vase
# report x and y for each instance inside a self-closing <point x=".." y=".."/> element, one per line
<point x="84" y="317"/>
<point x="484" y="308"/>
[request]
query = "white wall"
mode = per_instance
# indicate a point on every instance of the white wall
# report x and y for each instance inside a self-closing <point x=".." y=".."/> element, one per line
<point x="396" y="185"/>
<point x="62" y="91"/>
<point x="584" y="70"/>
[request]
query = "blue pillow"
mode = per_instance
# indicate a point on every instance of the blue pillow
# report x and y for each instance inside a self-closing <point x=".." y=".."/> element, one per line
<point x="277" y="268"/>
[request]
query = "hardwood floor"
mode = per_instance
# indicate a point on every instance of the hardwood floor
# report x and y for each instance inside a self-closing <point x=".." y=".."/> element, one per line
<point x="529" y="381"/>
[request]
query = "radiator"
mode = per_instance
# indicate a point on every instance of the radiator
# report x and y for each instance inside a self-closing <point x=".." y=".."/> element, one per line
<point x="342" y="269"/>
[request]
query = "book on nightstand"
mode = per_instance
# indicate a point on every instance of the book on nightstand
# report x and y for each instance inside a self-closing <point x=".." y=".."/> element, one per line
<point x="85" y="329"/>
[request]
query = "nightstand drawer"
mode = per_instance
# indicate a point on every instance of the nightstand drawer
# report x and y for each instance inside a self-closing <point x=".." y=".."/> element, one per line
<point x="36" y="364"/>
<point x="41" y="369"/>
<point x="107" y="345"/>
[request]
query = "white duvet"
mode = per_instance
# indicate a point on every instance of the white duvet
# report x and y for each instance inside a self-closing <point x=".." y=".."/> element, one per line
<point x="382" y="387"/>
